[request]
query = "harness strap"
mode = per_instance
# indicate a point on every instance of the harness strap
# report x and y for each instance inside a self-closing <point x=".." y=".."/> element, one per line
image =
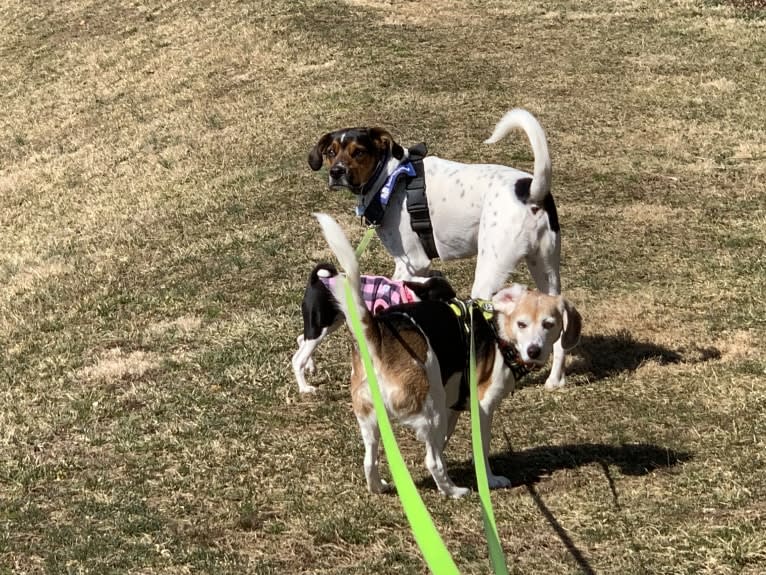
<point x="417" y="203"/>
<point x="460" y="308"/>
<point x="413" y="183"/>
<point x="510" y="356"/>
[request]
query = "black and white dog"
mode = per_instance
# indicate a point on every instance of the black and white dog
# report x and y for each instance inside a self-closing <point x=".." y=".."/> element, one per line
<point x="419" y="353"/>
<point x="499" y="214"/>
<point x="322" y="315"/>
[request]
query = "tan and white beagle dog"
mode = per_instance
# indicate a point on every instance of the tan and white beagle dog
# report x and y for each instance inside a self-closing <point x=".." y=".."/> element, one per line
<point x="419" y="353"/>
<point x="497" y="213"/>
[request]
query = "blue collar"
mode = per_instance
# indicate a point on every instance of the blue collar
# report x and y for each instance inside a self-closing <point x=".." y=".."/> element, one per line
<point x="374" y="211"/>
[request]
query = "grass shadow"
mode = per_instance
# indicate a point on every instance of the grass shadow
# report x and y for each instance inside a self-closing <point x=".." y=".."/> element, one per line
<point x="527" y="467"/>
<point x="530" y="465"/>
<point x="603" y="356"/>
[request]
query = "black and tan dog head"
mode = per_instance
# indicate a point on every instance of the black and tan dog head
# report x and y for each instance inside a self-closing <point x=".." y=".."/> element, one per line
<point x="353" y="155"/>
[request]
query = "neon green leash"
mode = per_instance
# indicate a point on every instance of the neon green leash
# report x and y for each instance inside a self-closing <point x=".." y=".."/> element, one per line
<point x="432" y="546"/>
<point x="365" y="241"/>
<point x="496" y="555"/>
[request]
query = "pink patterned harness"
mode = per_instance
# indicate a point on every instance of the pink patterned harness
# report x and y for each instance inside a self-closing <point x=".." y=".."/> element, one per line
<point x="379" y="292"/>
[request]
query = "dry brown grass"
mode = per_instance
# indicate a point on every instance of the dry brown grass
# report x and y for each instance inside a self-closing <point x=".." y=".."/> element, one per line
<point x="154" y="207"/>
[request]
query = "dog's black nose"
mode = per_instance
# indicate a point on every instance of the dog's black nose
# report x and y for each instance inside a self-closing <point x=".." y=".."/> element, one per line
<point x="533" y="351"/>
<point x="338" y="171"/>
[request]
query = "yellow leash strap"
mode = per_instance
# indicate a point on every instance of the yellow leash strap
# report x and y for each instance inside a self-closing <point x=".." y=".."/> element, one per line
<point x="496" y="555"/>
<point x="432" y="546"/>
<point x="365" y="241"/>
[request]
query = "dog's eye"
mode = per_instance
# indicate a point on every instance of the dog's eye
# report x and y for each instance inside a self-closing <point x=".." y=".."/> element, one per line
<point x="521" y="324"/>
<point x="548" y="324"/>
<point x="358" y="153"/>
<point x="330" y="153"/>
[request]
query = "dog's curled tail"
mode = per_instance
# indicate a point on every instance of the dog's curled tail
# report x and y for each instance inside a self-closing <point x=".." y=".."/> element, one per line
<point x="346" y="255"/>
<point x="519" y="118"/>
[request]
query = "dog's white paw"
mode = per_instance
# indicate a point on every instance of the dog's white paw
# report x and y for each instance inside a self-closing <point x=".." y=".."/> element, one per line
<point x="307" y="389"/>
<point x="454" y="491"/>
<point x="555" y="383"/>
<point x="498" y="481"/>
<point x="310" y="365"/>
<point x="459" y="492"/>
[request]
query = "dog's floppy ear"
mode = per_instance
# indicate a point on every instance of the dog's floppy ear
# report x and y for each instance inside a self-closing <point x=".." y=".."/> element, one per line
<point x="506" y="299"/>
<point x="384" y="140"/>
<point x="572" y="321"/>
<point x="317" y="152"/>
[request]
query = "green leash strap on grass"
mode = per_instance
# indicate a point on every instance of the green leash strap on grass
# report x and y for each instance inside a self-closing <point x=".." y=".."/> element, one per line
<point x="496" y="555"/>
<point x="432" y="546"/>
<point x="365" y="241"/>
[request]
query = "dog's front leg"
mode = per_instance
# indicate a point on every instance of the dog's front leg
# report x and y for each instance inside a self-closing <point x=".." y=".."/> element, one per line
<point x="557" y="377"/>
<point x="302" y="361"/>
<point x="402" y="243"/>
<point x="404" y="270"/>
<point x="437" y="467"/>
<point x="485" y="419"/>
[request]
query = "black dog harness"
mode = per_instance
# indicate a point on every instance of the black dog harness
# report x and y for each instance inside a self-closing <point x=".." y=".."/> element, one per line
<point x="486" y="313"/>
<point x="447" y="326"/>
<point x="413" y="183"/>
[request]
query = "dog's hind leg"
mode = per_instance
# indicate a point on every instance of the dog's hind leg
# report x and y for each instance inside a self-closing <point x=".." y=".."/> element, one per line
<point x="501" y="248"/>
<point x="557" y="377"/>
<point x="492" y="270"/>
<point x="452" y="418"/>
<point x="302" y="360"/>
<point x="544" y="269"/>
<point x="361" y="402"/>
<point x="368" y="424"/>
<point x="431" y="428"/>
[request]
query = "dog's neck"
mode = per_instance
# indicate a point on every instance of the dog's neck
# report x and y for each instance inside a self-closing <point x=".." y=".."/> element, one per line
<point x="511" y="356"/>
<point x="386" y="166"/>
<point x="507" y="349"/>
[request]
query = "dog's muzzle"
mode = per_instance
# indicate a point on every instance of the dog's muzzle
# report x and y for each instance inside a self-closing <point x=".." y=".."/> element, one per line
<point x="339" y="179"/>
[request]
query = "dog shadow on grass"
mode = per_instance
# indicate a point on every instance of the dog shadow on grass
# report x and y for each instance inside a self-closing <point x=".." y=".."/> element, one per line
<point x="599" y="357"/>
<point x="528" y="467"/>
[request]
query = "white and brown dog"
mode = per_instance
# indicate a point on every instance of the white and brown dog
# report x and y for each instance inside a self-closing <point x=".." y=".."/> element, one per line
<point x="419" y="354"/>
<point x="497" y="213"/>
<point x="322" y="316"/>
